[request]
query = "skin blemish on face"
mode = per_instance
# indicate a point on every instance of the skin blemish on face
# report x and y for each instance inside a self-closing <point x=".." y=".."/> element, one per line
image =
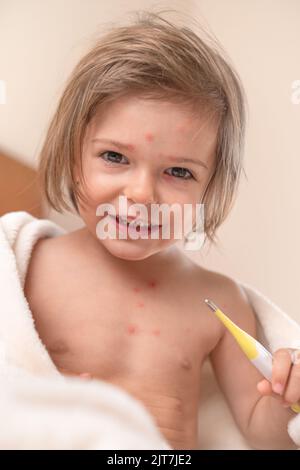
<point x="149" y="137"/>
<point x="132" y="329"/>
<point x="131" y="147"/>
<point x="140" y="304"/>
<point x="137" y="289"/>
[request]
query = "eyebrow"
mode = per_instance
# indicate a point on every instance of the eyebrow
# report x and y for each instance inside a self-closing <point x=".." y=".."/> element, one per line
<point x="129" y="147"/>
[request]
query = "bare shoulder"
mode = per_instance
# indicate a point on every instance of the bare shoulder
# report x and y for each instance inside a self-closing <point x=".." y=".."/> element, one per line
<point x="199" y="284"/>
<point x="234" y="302"/>
<point x="46" y="254"/>
<point x="47" y="263"/>
<point x="229" y="295"/>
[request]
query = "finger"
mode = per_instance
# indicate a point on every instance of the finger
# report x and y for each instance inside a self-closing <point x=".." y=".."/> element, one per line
<point x="281" y="369"/>
<point x="264" y="387"/>
<point x="292" y="392"/>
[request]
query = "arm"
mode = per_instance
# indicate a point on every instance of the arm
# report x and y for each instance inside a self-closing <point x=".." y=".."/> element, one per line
<point x="262" y="419"/>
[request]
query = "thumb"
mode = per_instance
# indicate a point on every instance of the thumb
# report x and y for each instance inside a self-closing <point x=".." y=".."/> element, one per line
<point x="265" y="389"/>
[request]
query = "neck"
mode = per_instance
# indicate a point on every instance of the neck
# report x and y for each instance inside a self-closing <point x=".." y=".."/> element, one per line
<point x="153" y="264"/>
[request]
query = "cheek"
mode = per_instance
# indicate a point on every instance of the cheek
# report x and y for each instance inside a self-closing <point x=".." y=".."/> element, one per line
<point x="191" y="212"/>
<point x="98" y="185"/>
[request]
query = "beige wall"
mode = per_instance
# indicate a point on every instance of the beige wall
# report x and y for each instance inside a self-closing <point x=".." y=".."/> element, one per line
<point x="260" y="240"/>
<point x="40" y="41"/>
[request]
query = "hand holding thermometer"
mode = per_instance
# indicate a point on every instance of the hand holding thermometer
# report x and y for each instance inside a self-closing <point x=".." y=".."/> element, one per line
<point x="255" y="351"/>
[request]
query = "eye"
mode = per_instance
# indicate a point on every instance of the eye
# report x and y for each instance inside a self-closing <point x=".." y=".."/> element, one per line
<point x="181" y="173"/>
<point x="112" y="157"/>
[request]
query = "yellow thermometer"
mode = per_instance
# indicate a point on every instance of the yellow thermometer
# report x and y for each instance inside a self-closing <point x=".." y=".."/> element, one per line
<point x="260" y="357"/>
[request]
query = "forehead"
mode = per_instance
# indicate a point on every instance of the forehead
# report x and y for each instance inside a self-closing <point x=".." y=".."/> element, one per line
<point x="159" y="125"/>
<point x="154" y="113"/>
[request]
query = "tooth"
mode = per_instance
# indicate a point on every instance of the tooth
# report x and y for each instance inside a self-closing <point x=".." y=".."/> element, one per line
<point x="141" y="224"/>
<point x="135" y="223"/>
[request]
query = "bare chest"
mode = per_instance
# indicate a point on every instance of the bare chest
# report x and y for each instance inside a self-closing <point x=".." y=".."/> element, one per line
<point x="148" y="332"/>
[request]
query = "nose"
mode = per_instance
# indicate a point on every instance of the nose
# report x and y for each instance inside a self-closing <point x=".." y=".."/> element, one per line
<point x="141" y="189"/>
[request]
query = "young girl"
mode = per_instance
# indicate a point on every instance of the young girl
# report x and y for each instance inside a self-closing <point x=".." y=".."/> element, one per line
<point x="155" y="114"/>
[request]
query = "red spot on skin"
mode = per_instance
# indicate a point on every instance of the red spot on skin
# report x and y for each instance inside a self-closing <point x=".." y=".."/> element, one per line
<point x="131" y="147"/>
<point x="149" y="137"/>
<point x="156" y="332"/>
<point x="152" y="284"/>
<point x="132" y="329"/>
<point x="141" y="304"/>
<point x="137" y="289"/>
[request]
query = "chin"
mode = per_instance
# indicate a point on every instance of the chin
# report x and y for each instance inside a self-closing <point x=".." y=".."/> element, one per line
<point x="130" y="251"/>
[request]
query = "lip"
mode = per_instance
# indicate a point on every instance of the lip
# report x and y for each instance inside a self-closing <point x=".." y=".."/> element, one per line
<point x="125" y="228"/>
<point x="130" y="218"/>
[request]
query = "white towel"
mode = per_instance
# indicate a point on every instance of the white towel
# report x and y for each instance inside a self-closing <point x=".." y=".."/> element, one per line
<point x="43" y="409"/>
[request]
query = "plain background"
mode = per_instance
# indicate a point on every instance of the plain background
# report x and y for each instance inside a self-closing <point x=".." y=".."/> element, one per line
<point x="41" y="41"/>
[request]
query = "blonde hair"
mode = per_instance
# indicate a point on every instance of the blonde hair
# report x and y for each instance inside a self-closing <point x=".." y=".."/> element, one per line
<point x="157" y="59"/>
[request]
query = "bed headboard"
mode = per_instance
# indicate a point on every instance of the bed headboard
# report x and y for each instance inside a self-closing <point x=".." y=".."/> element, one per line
<point x="18" y="187"/>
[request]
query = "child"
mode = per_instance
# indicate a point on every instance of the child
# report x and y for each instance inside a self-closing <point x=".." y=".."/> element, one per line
<point x="154" y="114"/>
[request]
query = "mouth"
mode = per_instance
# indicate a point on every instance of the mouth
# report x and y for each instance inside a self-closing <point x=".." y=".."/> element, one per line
<point x="139" y="225"/>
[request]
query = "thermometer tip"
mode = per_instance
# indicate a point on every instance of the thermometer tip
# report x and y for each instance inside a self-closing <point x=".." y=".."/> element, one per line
<point x="211" y="305"/>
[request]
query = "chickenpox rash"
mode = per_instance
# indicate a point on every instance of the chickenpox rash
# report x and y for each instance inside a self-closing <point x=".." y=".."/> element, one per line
<point x="140" y="304"/>
<point x="149" y="137"/>
<point x="137" y="289"/>
<point x="152" y="284"/>
<point x="132" y="329"/>
<point x="131" y="147"/>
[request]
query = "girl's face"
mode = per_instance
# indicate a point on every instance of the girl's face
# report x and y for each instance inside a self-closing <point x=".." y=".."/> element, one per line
<point x="151" y="165"/>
